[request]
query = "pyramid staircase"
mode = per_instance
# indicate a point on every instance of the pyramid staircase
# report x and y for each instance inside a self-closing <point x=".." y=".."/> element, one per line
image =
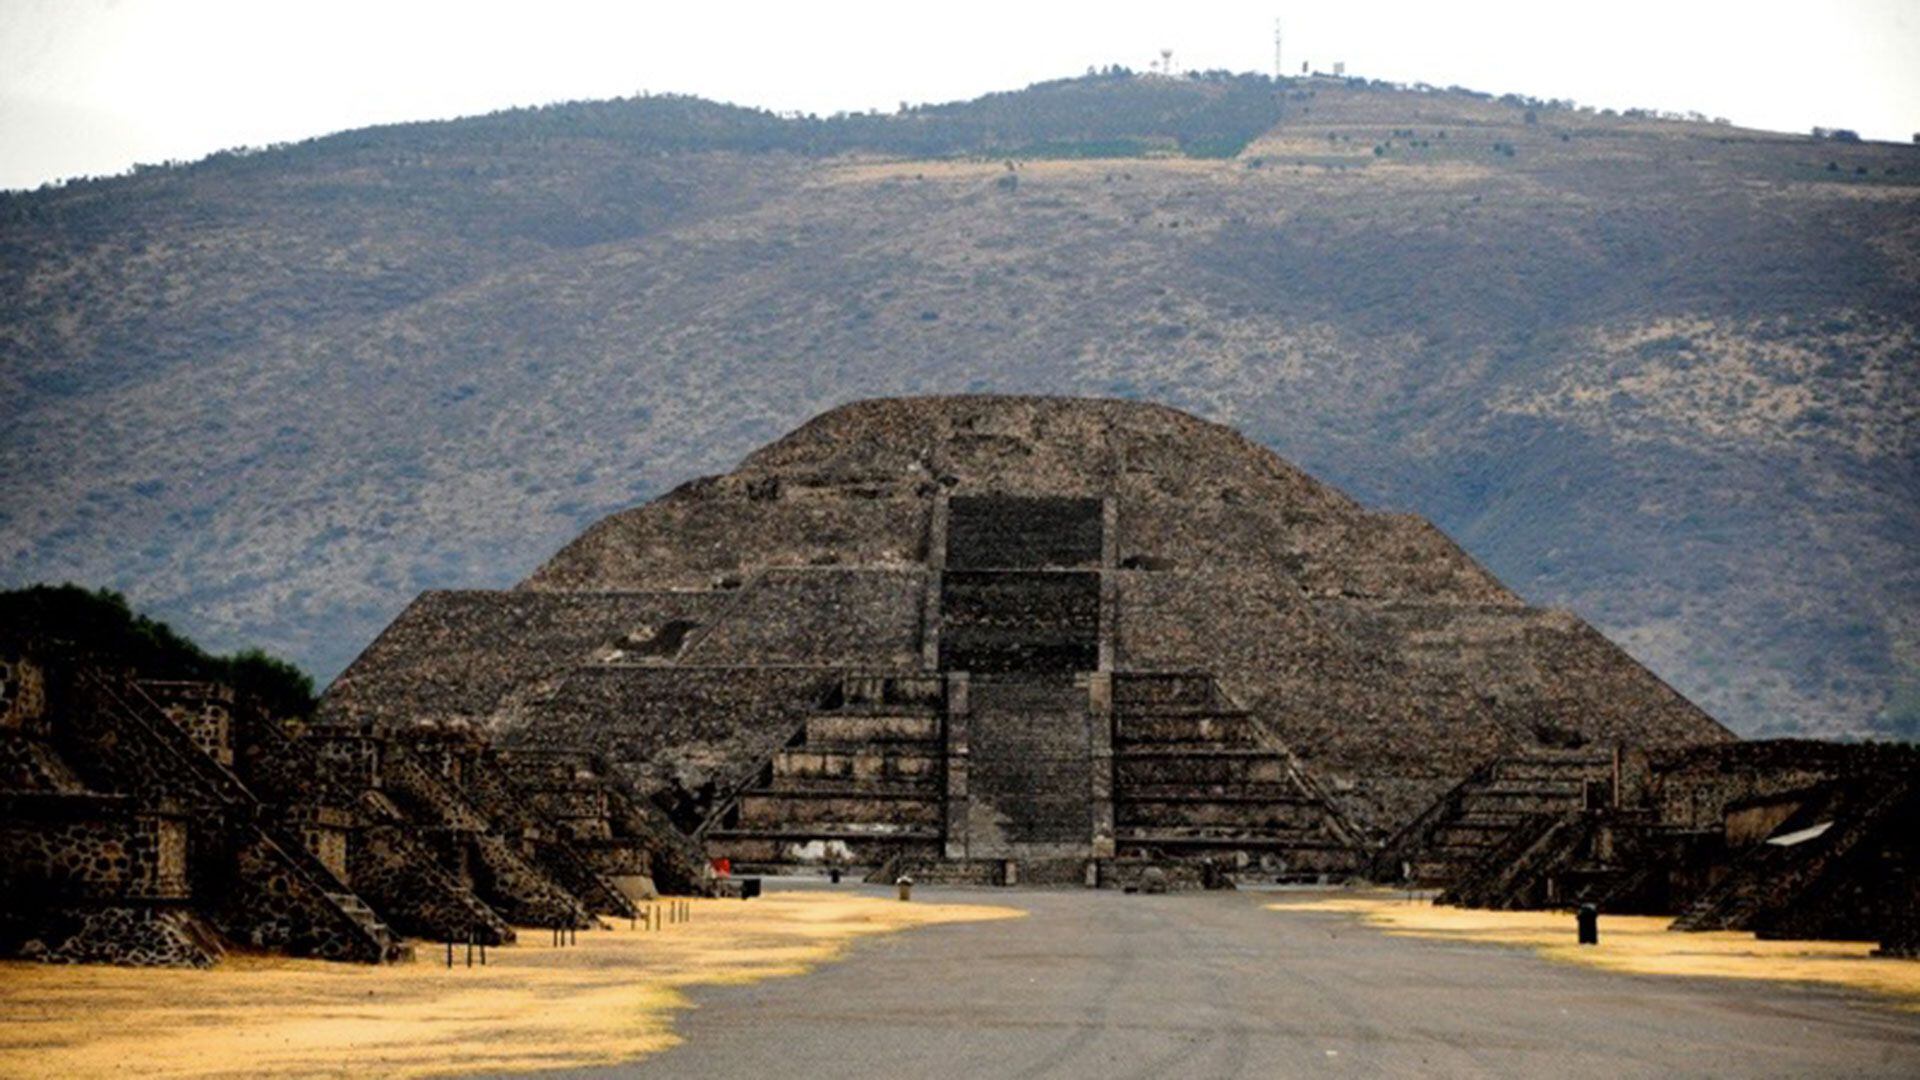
<point x="1193" y="779"/>
<point x="150" y="752"/>
<point x="1809" y="888"/>
<point x="1197" y="778"/>
<point x="369" y="921"/>
<point x="861" y="782"/>
<point x="1476" y="818"/>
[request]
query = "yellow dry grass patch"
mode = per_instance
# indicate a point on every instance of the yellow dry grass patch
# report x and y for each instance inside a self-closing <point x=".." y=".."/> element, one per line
<point x="608" y="999"/>
<point x="1640" y="945"/>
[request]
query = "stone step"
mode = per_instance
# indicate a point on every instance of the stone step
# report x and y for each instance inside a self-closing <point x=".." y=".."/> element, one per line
<point x="1458" y="852"/>
<point x="831" y="788"/>
<point x="1572" y="787"/>
<point x="1504" y="819"/>
<point x="854" y="729"/>
<point x="1250" y="795"/>
<point x="1244" y="816"/>
<point x="1182" y="711"/>
<point x="370" y="921"/>
<point x="892" y="708"/>
<point x="786" y="850"/>
<point x="1516" y="804"/>
<point x="1169" y="690"/>
<point x="1200" y="727"/>
<point x="352" y="905"/>
<point x="1301" y="840"/>
<point x="893" y="692"/>
<point x="849" y="787"/>
<point x="842" y="831"/>
<point x="867" y="763"/>
<point x="1470" y="840"/>
<point x="1206" y="771"/>
<point x="1051" y="692"/>
<point x="926" y="747"/>
<point x="862" y="808"/>
<point x="1433" y="872"/>
<point x="1552" y="768"/>
<point x="1195" y="750"/>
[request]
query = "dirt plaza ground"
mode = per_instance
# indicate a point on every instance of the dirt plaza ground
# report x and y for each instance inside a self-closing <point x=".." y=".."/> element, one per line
<point x="1222" y="985"/>
<point x="818" y="980"/>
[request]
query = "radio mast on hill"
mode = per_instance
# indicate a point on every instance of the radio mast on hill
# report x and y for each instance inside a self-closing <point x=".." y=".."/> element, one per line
<point x="1279" y="71"/>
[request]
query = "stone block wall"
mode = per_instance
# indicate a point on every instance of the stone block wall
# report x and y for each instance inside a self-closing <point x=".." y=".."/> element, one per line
<point x="425" y="800"/>
<point x="706" y="532"/>
<point x="91" y="847"/>
<point x="822" y="616"/>
<point x="405" y="882"/>
<point x="681" y="736"/>
<point x="570" y="804"/>
<point x="23" y="693"/>
<point x="1388" y="557"/>
<point x="30" y="764"/>
<point x="220" y="814"/>
<point x="1696" y="787"/>
<point x="519" y="890"/>
<point x="579" y="873"/>
<point x="611" y="835"/>
<point x="128" y="935"/>
<point x="347" y="757"/>
<point x="324" y="832"/>
<point x="270" y="902"/>
<point x="203" y="710"/>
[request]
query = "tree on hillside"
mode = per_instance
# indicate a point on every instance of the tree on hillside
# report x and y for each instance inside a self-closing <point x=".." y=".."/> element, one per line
<point x="99" y="626"/>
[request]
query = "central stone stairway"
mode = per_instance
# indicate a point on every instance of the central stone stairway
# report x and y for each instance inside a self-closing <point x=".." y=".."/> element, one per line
<point x="1029" y="795"/>
<point x="860" y="784"/>
<point x="1017" y="753"/>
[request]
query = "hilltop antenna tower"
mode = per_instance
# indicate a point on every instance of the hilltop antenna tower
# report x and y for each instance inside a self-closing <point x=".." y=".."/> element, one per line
<point x="1166" y="62"/>
<point x="1279" y="69"/>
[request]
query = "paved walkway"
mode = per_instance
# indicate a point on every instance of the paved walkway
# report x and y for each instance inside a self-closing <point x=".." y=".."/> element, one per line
<point x="1101" y="984"/>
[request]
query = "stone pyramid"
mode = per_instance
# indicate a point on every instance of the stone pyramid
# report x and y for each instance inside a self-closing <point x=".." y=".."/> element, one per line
<point x="1018" y="635"/>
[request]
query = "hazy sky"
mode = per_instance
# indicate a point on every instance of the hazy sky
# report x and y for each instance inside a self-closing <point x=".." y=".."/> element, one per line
<point x="92" y="86"/>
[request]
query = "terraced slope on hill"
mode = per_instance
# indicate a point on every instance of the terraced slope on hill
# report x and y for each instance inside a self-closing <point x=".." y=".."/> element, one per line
<point x="1663" y="374"/>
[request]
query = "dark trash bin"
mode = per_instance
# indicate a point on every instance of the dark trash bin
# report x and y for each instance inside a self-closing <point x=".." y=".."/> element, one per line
<point x="1589" y="921"/>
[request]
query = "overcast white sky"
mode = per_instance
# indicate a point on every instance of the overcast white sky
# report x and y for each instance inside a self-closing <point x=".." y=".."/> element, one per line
<point x="93" y="86"/>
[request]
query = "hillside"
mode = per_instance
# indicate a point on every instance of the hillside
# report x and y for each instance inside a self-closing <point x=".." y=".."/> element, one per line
<point x="1660" y="373"/>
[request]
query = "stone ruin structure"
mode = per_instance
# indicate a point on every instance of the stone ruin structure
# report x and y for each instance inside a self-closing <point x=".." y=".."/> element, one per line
<point x="972" y="639"/>
<point x="153" y="821"/>
<point x="1005" y="639"/>
<point x="1783" y="838"/>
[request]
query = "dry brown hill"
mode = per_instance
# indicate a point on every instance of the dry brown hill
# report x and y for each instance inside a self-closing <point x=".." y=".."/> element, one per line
<point x="1661" y="373"/>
